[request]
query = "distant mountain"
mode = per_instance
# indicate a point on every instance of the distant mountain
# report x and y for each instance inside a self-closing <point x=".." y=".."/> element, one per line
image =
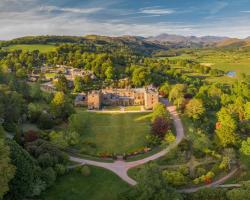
<point x="234" y="43"/>
<point x="169" y="38"/>
<point x="135" y="43"/>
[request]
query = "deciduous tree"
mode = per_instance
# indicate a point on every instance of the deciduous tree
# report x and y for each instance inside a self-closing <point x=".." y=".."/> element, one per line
<point x="7" y="170"/>
<point x="195" y="109"/>
<point x="226" y="128"/>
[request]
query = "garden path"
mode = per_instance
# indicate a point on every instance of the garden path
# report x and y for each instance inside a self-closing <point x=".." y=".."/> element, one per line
<point x="214" y="184"/>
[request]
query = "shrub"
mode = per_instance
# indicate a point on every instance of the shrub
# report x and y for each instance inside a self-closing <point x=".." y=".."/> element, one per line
<point x="49" y="176"/>
<point x="200" y="171"/>
<point x="63" y="139"/>
<point x="204" y="178"/>
<point x="39" y="186"/>
<point x="45" y="160"/>
<point x="174" y="178"/>
<point x="152" y="140"/>
<point x="196" y="181"/>
<point x="72" y="137"/>
<point x="60" y="169"/>
<point x="169" y="137"/>
<point x="40" y="147"/>
<point x="184" y="170"/>
<point x="57" y="138"/>
<point x="85" y="170"/>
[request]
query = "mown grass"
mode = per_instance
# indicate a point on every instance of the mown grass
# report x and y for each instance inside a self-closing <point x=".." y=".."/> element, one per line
<point x="43" y="48"/>
<point x="111" y="133"/>
<point x="112" y="108"/>
<point x="132" y="108"/>
<point x="101" y="184"/>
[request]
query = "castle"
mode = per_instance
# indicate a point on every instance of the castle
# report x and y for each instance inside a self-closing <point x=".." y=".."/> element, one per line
<point x="95" y="99"/>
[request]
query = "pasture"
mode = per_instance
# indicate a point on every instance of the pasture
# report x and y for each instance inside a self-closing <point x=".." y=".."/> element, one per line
<point x="43" y="48"/>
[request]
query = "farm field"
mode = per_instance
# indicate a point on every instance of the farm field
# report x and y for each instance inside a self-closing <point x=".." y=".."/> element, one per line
<point x="43" y="48"/>
<point x="101" y="184"/>
<point x="110" y="133"/>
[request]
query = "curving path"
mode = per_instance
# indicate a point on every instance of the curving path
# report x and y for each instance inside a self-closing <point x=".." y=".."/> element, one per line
<point x="121" y="167"/>
<point x="215" y="183"/>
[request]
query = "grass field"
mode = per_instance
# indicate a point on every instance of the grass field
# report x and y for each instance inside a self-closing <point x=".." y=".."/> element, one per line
<point x="238" y="67"/>
<point x="111" y="133"/>
<point x="112" y="108"/>
<point x="132" y="108"/>
<point x="31" y="47"/>
<point x="225" y="60"/>
<point x="101" y="184"/>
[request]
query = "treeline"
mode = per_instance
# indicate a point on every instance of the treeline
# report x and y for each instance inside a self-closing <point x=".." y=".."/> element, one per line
<point x="43" y="40"/>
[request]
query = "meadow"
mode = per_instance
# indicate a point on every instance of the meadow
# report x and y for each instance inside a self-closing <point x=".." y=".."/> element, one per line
<point x="43" y="48"/>
<point x="238" y="61"/>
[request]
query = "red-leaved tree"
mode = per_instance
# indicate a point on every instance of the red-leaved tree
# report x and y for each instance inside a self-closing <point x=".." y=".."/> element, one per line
<point x="160" y="126"/>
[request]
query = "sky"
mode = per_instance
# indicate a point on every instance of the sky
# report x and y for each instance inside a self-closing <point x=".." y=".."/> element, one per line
<point x="124" y="17"/>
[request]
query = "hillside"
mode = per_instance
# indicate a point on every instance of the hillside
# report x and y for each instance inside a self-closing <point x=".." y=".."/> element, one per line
<point x="133" y="45"/>
<point x="234" y="43"/>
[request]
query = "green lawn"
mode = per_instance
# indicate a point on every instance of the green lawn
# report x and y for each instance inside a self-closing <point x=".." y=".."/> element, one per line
<point x="101" y="184"/>
<point x="132" y="108"/>
<point x="112" y="108"/>
<point x="31" y="47"/>
<point x="110" y="133"/>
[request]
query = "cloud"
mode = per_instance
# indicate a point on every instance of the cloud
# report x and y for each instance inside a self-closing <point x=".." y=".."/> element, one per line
<point x="72" y="10"/>
<point x="245" y="11"/>
<point x="218" y="7"/>
<point x="31" y="18"/>
<point x="156" y="11"/>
